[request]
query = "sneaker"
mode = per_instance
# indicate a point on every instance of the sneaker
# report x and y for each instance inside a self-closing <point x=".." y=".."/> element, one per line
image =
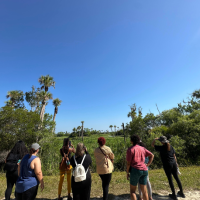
<point x="181" y="194"/>
<point x="173" y="196"/>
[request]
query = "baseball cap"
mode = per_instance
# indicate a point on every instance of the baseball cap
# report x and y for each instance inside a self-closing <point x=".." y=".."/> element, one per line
<point x="35" y="146"/>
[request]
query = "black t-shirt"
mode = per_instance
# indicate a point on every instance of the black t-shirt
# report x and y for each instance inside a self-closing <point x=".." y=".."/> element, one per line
<point x="167" y="157"/>
<point x="11" y="162"/>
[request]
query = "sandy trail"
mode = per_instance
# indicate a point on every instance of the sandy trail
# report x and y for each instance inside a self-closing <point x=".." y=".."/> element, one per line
<point x="162" y="195"/>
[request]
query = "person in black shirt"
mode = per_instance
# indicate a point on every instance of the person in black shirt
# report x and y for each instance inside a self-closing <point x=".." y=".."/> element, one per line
<point x="11" y="166"/>
<point x="81" y="190"/>
<point x="167" y="154"/>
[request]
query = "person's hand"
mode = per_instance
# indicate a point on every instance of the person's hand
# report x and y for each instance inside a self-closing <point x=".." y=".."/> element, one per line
<point x="42" y="185"/>
<point x="127" y="176"/>
<point x="156" y="139"/>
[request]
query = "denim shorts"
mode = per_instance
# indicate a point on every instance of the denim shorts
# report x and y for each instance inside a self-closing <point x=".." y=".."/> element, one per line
<point x="138" y="176"/>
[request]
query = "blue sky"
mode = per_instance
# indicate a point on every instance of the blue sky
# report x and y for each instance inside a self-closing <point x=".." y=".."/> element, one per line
<point x="104" y="55"/>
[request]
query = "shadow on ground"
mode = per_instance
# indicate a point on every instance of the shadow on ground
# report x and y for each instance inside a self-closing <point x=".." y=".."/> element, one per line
<point x="119" y="197"/>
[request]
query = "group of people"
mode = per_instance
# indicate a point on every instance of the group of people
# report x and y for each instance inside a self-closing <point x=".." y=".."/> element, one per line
<point x="23" y="169"/>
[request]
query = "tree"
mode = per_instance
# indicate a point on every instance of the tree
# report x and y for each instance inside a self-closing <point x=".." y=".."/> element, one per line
<point x="74" y="130"/>
<point x="45" y="96"/>
<point x="33" y="98"/>
<point x="115" y="127"/>
<point x="16" y="99"/>
<point x="82" y="129"/>
<point x="111" y="126"/>
<point x="56" y="103"/>
<point x="133" y="111"/>
<point x="21" y="124"/>
<point x="79" y="129"/>
<point x="46" y="82"/>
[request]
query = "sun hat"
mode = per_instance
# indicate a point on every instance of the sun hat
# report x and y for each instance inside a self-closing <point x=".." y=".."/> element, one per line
<point x="35" y="146"/>
<point x="163" y="139"/>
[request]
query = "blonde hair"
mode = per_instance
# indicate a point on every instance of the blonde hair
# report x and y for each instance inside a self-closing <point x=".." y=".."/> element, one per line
<point x="80" y="149"/>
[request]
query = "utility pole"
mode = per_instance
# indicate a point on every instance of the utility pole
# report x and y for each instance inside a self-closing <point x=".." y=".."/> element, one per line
<point x="124" y="132"/>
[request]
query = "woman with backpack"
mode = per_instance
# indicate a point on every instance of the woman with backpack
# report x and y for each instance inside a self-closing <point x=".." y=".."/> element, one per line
<point x="81" y="178"/>
<point x="104" y="161"/>
<point x="65" y="166"/>
<point x="167" y="154"/>
<point x="11" y="166"/>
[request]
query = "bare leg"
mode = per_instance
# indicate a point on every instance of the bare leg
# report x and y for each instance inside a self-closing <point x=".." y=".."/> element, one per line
<point x="139" y="190"/>
<point x="144" y="191"/>
<point x="132" y="192"/>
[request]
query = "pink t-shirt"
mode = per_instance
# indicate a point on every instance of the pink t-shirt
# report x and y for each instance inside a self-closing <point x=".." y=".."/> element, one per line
<point x="136" y="156"/>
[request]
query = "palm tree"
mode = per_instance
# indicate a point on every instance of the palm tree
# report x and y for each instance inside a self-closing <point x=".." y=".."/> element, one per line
<point x="46" y="82"/>
<point x="79" y="129"/>
<point x="111" y="127"/>
<point x="74" y="130"/>
<point x="15" y="96"/>
<point x="115" y="127"/>
<point x="56" y="103"/>
<point x="82" y="129"/>
<point x="45" y="96"/>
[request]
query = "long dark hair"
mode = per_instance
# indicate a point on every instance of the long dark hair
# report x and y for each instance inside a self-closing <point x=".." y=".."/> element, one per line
<point x="66" y="143"/>
<point x="135" y="139"/>
<point x="167" y="146"/>
<point x="142" y="144"/>
<point x="20" y="149"/>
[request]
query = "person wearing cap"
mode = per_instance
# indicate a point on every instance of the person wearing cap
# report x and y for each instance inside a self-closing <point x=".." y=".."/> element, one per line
<point x="168" y="157"/>
<point x="30" y="175"/>
<point x="104" y="164"/>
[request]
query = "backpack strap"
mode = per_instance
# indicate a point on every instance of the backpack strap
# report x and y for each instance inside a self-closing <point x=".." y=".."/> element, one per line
<point x="86" y="170"/>
<point x="75" y="160"/>
<point x="83" y="159"/>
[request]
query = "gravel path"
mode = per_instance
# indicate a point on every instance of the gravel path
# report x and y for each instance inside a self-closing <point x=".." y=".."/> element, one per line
<point x="162" y="195"/>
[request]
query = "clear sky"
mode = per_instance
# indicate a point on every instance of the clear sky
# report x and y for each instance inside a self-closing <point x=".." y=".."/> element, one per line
<point x="103" y="54"/>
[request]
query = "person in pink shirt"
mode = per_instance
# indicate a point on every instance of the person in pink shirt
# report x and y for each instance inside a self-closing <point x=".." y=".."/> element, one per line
<point x="137" y="170"/>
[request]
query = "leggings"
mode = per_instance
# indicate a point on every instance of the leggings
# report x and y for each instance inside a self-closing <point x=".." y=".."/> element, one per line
<point x="106" y="178"/>
<point x="11" y="178"/>
<point x="172" y="170"/>
<point x="148" y="188"/>
<point x="29" y="194"/>
<point x="62" y="175"/>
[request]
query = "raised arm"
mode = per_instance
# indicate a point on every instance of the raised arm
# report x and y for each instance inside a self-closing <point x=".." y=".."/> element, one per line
<point x="152" y="144"/>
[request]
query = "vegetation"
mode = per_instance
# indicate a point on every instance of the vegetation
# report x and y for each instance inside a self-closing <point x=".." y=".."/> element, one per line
<point x="119" y="186"/>
<point x="181" y="124"/>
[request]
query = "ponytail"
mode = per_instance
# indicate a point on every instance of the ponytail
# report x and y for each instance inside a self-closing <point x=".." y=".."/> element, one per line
<point x="32" y="151"/>
<point x="167" y="145"/>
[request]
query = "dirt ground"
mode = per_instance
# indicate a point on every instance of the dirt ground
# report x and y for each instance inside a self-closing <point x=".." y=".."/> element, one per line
<point x="162" y="195"/>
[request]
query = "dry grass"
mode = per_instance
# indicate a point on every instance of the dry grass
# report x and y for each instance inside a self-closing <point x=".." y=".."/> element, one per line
<point x="190" y="179"/>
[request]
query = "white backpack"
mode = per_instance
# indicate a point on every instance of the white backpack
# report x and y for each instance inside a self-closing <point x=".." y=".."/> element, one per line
<point x="79" y="171"/>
